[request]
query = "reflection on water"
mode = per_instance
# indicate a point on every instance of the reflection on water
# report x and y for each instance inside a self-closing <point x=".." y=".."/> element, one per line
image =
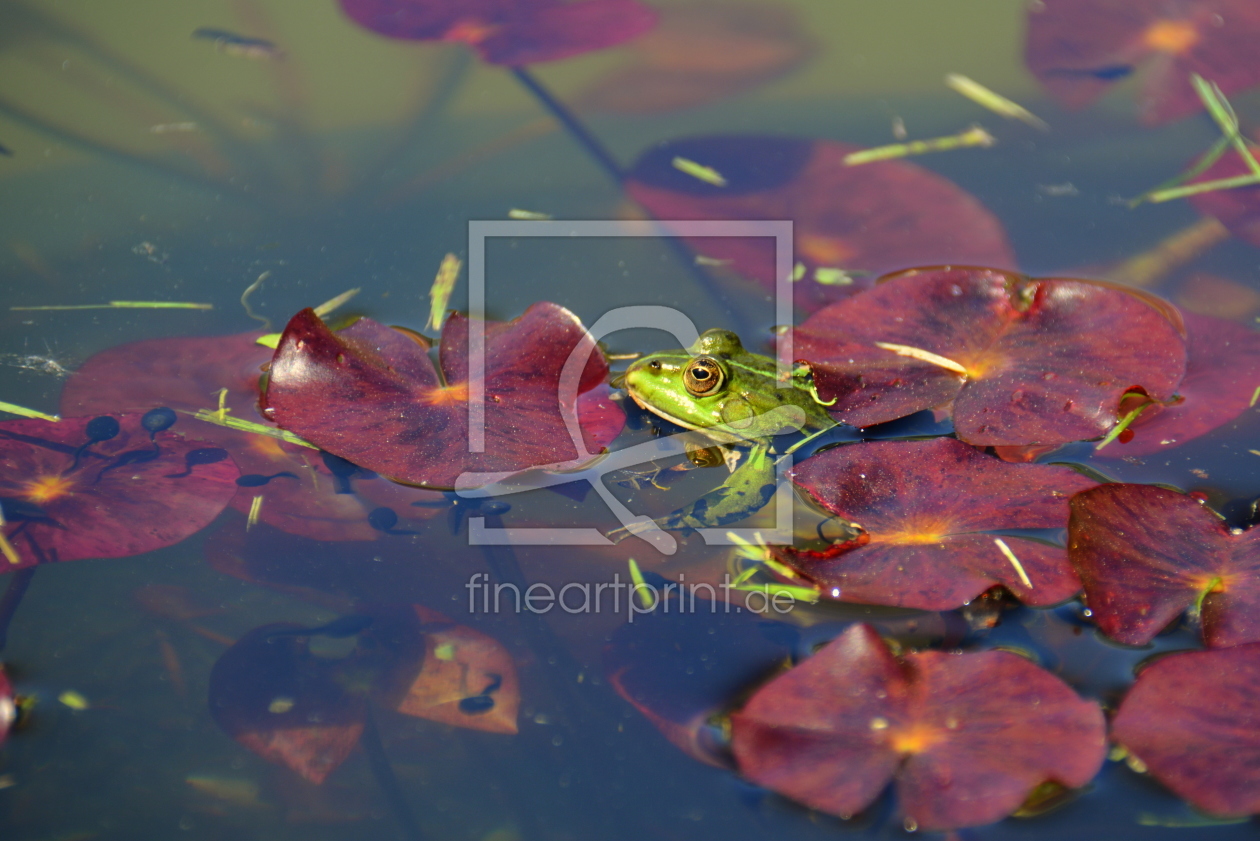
<point x="143" y="163"/>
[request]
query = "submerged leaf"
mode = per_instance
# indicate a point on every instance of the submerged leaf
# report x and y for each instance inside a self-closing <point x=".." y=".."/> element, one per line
<point x="1046" y="361"/>
<point x="68" y="493"/>
<point x="509" y="32"/>
<point x="702" y="50"/>
<point x="861" y="220"/>
<point x="928" y="512"/>
<point x="966" y="737"/>
<point x="1079" y="48"/>
<point x="1145" y="554"/>
<point x="284" y="704"/>
<point x="185" y="373"/>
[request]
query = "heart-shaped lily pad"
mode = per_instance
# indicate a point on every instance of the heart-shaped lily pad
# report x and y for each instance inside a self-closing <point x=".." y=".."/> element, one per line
<point x="1191" y="718"/>
<point x="1079" y="48"/>
<point x="371" y="395"/>
<point x="1145" y="554"/>
<point x="1222" y="375"/>
<point x="1020" y="360"/>
<point x="68" y="491"/>
<point x="966" y="737"/>
<point x="509" y="32"/>
<point x="928" y="512"/>
<point x="300" y="494"/>
<point x="851" y="223"/>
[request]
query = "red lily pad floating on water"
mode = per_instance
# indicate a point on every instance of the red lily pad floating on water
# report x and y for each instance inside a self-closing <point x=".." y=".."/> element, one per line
<point x="508" y="32"/>
<point x="866" y="219"/>
<point x="1079" y="48"/>
<point x="1192" y="719"/>
<point x="291" y="707"/>
<point x="965" y="737"/>
<point x="371" y="395"/>
<point x="924" y="509"/>
<point x="72" y="490"/>
<point x="1222" y="374"/>
<point x="1145" y="554"/>
<point x="1018" y="360"/>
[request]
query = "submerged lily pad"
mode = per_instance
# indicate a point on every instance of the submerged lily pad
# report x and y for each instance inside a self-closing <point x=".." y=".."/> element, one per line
<point x="186" y="374"/>
<point x="1145" y="554"/>
<point x="307" y="712"/>
<point x="1222" y="375"/>
<point x="450" y="673"/>
<point x="1017" y="360"/>
<point x="702" y="51"/>
<point x="1192" y="720"/>
<point x="371" y="395"/>
<point x="1079" y="48"/>
<point x="1237" y="208"/>
<point x="927" y="512"/>
<point x="966" y="737"/>
<point x="70" y="493"/>
<point x="509" y="32"/>
<point x="851" y="223"/>
<point x="285" y="704"/>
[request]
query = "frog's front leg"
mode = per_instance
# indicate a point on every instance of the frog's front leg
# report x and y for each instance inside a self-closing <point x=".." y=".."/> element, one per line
<point x="745" y="492"/>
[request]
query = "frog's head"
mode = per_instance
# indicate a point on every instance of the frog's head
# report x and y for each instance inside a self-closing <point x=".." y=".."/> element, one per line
<point x="688" y="387"/>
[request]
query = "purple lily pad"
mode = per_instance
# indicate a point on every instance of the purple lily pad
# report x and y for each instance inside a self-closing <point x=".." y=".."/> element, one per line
<point x="1222" y="374"/>
<point x="121" y="496"/>
<point x="1043" y="361"/>
<point x="371" y="395"/>
<point x="924" y="509"/>
<point x="508" y="32"/>
<point x="1192" y="719"/>
<point x="966" y="737"/>
<point x="1145" y="554"/>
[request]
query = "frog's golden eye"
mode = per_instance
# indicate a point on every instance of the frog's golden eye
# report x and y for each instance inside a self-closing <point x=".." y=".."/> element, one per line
<point x="703" y="376"/>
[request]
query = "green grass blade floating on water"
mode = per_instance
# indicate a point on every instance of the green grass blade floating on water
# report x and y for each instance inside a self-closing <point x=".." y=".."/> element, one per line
<point x="122" y="305"/>
<point x="215" y="417"/>
<point x="995" y="102"/>
<point x="272" y="340"/>
<point x="974" y="136"/>
<point x="443" y="286"/>
<point x="22" y="411"/>
<point x="699" y="171"/>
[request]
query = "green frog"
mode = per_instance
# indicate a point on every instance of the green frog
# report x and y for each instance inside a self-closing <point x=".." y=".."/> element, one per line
<point x="732" y="397"/>
<point x="728" y="393"/>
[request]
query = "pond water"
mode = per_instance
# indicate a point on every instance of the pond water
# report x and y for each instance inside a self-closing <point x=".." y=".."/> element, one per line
<point x="150" y="166"/>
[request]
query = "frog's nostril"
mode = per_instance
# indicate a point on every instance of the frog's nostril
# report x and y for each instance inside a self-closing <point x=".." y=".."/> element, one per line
<point x="655" y="365"/>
